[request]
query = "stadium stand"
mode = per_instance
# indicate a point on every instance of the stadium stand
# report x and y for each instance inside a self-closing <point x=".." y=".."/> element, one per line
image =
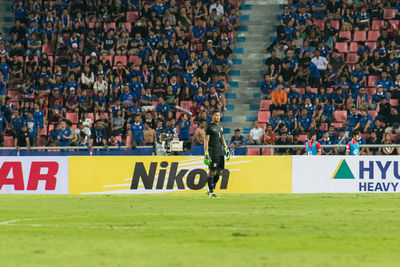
<point x="349" y="52"/>
<point x="106" y="68"/>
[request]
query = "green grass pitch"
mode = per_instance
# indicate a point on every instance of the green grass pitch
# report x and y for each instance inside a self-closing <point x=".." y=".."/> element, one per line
<point x="192" y="230"/>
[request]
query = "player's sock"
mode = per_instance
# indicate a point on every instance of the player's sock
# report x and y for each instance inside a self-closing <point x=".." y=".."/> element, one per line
<point x="210" y="182"/>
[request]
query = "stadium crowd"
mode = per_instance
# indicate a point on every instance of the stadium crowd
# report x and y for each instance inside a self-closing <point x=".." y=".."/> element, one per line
<point x="333" y="68"/>
<point x="113" y="72"/>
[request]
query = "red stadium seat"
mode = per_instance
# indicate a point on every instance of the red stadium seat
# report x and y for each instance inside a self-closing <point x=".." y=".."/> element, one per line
<point x="121" y="59"/>
<point x="267" y="151"/>
<point x="41" y="141"/>
<point x="324" y="126"/>
<point x="372" y="81"/>
<point x="132" y="16"/>
<point x="14" y="95"/>
<point x="319" y="24"/>
<point x="345" y="34"/>
<point x="8" y="141"/>
<point x="340" y="115"/>
<point x="252" y="151"/>
<point x="91" y="116"/>
<point x="377" y="24"/>
<point x="43" y="131"/>
<point x="373" y="113"/>
<point x="371" y="45"/>
<point x="186" y="104"/>
<point x="129" y="140"/>
<point x="128" y="26"/>
<point x="360" y="36"/>
<point x="192" y="128"/>
<point x="341" y="47"/>
<point x="370" y="91"/>
<point x="135" y="60"/>
<point x="48" y="49"/>
<point x="352" y="58"/>
<point x="110" y="25"/>
<point x="73" y="117"/>
<point x="373" y="36"/>
<point x="264" y="105"/>
<point x="353" y="47"/>
<point x="335" y="24"/>
<point x="303" y="138"/>
<point x="394" y="102"/>
<point x="263" y="116"/>
<point x="263" y="125"/>
<point x="336" y="124"/>
<point x="389" y="13"/>
<point x="395" y="23"/>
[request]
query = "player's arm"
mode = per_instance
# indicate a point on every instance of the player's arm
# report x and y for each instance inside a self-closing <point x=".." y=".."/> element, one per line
<point x="348" y="149"/>
<point x="319" y="150"/>
<point x="207" y="139"/>
<point x="223" y="142"/>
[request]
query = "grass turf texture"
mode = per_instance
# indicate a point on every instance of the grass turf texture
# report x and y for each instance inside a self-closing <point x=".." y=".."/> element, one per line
<point x="183" y="230"/>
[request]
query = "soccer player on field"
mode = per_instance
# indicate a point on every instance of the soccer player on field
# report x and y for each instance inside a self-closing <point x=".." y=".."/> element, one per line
<point x="353" y="147"/>
<point x="214" y="146"/>
<point x="313" y="147"/>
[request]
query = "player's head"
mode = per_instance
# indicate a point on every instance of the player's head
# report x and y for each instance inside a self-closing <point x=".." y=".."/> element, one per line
<point x="355" y="135"/>
<point x="312" y="136"/>
<point x="216" y="116"/>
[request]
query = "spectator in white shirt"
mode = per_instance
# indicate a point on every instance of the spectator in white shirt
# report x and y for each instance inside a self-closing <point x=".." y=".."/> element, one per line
<point x="100" y="85"/>
<point x="256" y="134"/>
<point x="320" y="62"/>
<point x="218" y="7"/>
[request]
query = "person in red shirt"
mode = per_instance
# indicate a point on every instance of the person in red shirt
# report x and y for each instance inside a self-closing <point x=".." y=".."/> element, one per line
<point x="313" y="147"/>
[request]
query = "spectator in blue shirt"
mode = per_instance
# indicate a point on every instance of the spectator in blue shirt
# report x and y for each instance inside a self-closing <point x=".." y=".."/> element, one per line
<point x="198" y="32"/>
<point x="136" y="131"/>
<point x="304" y="121"/>
<point x="366" y="123"/>
<point x="319" y="9"/>
<point x="385" y="82"/>
<point x="363" y="18"/>
<point x="274" y="120"/>
<point x="64" y="135"/>
<point x="162" y="108"/>
<point x="326" y="140"/>
<point x="184" y="128"/>
<point x="33" y="128"/>
<point x="353" y="118"/>
<point x="339" y="98"/>
<point x="267" y="87"/>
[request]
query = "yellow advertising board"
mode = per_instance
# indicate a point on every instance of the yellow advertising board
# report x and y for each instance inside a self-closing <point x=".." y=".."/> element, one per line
<point x="177" y="174"/>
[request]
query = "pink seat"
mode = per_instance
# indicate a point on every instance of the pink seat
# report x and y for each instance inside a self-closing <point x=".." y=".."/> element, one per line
<point x="303" y="138"/>
<point x="128" y="140"/>
<point x="352" y="58"/>
<point x="377" y="24"/>
<point x="324" y="126"/>
<point x="341" y="47"/>
<point x="372" y="81"/>
<point x="263" y="125"/>
<point x="389" y="13"/>
<point x="336" y="124"/>
<point x="186" y="104"/>
<point x="360" y="36"/>
<point x="373" y="113"/>
<point x="121" y="59"/>
<point x="371" y="45"/>
<point x="395" y="23"/>
<point x="264" y="105"/>
<point x="252" y="151"/>
<point x="110" y="25"/>
<point x="266" y="151"/>
<point x="353" y="47"/>
<point x="263" y="116"/>
<point x="135" y="60"/>
<point x="335" y="24"/>
<point x="340" y="115"/>
<point x="8" y="141"/>
<point x="394" y="102"/>
<point x="373" y="36"/>
<point x="132" y="16"/>
<point x="345" y="34"/>
<point x="73" y="117"/>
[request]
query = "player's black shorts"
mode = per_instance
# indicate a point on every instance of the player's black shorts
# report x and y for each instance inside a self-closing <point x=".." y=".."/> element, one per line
<point x="217" y="163"/>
